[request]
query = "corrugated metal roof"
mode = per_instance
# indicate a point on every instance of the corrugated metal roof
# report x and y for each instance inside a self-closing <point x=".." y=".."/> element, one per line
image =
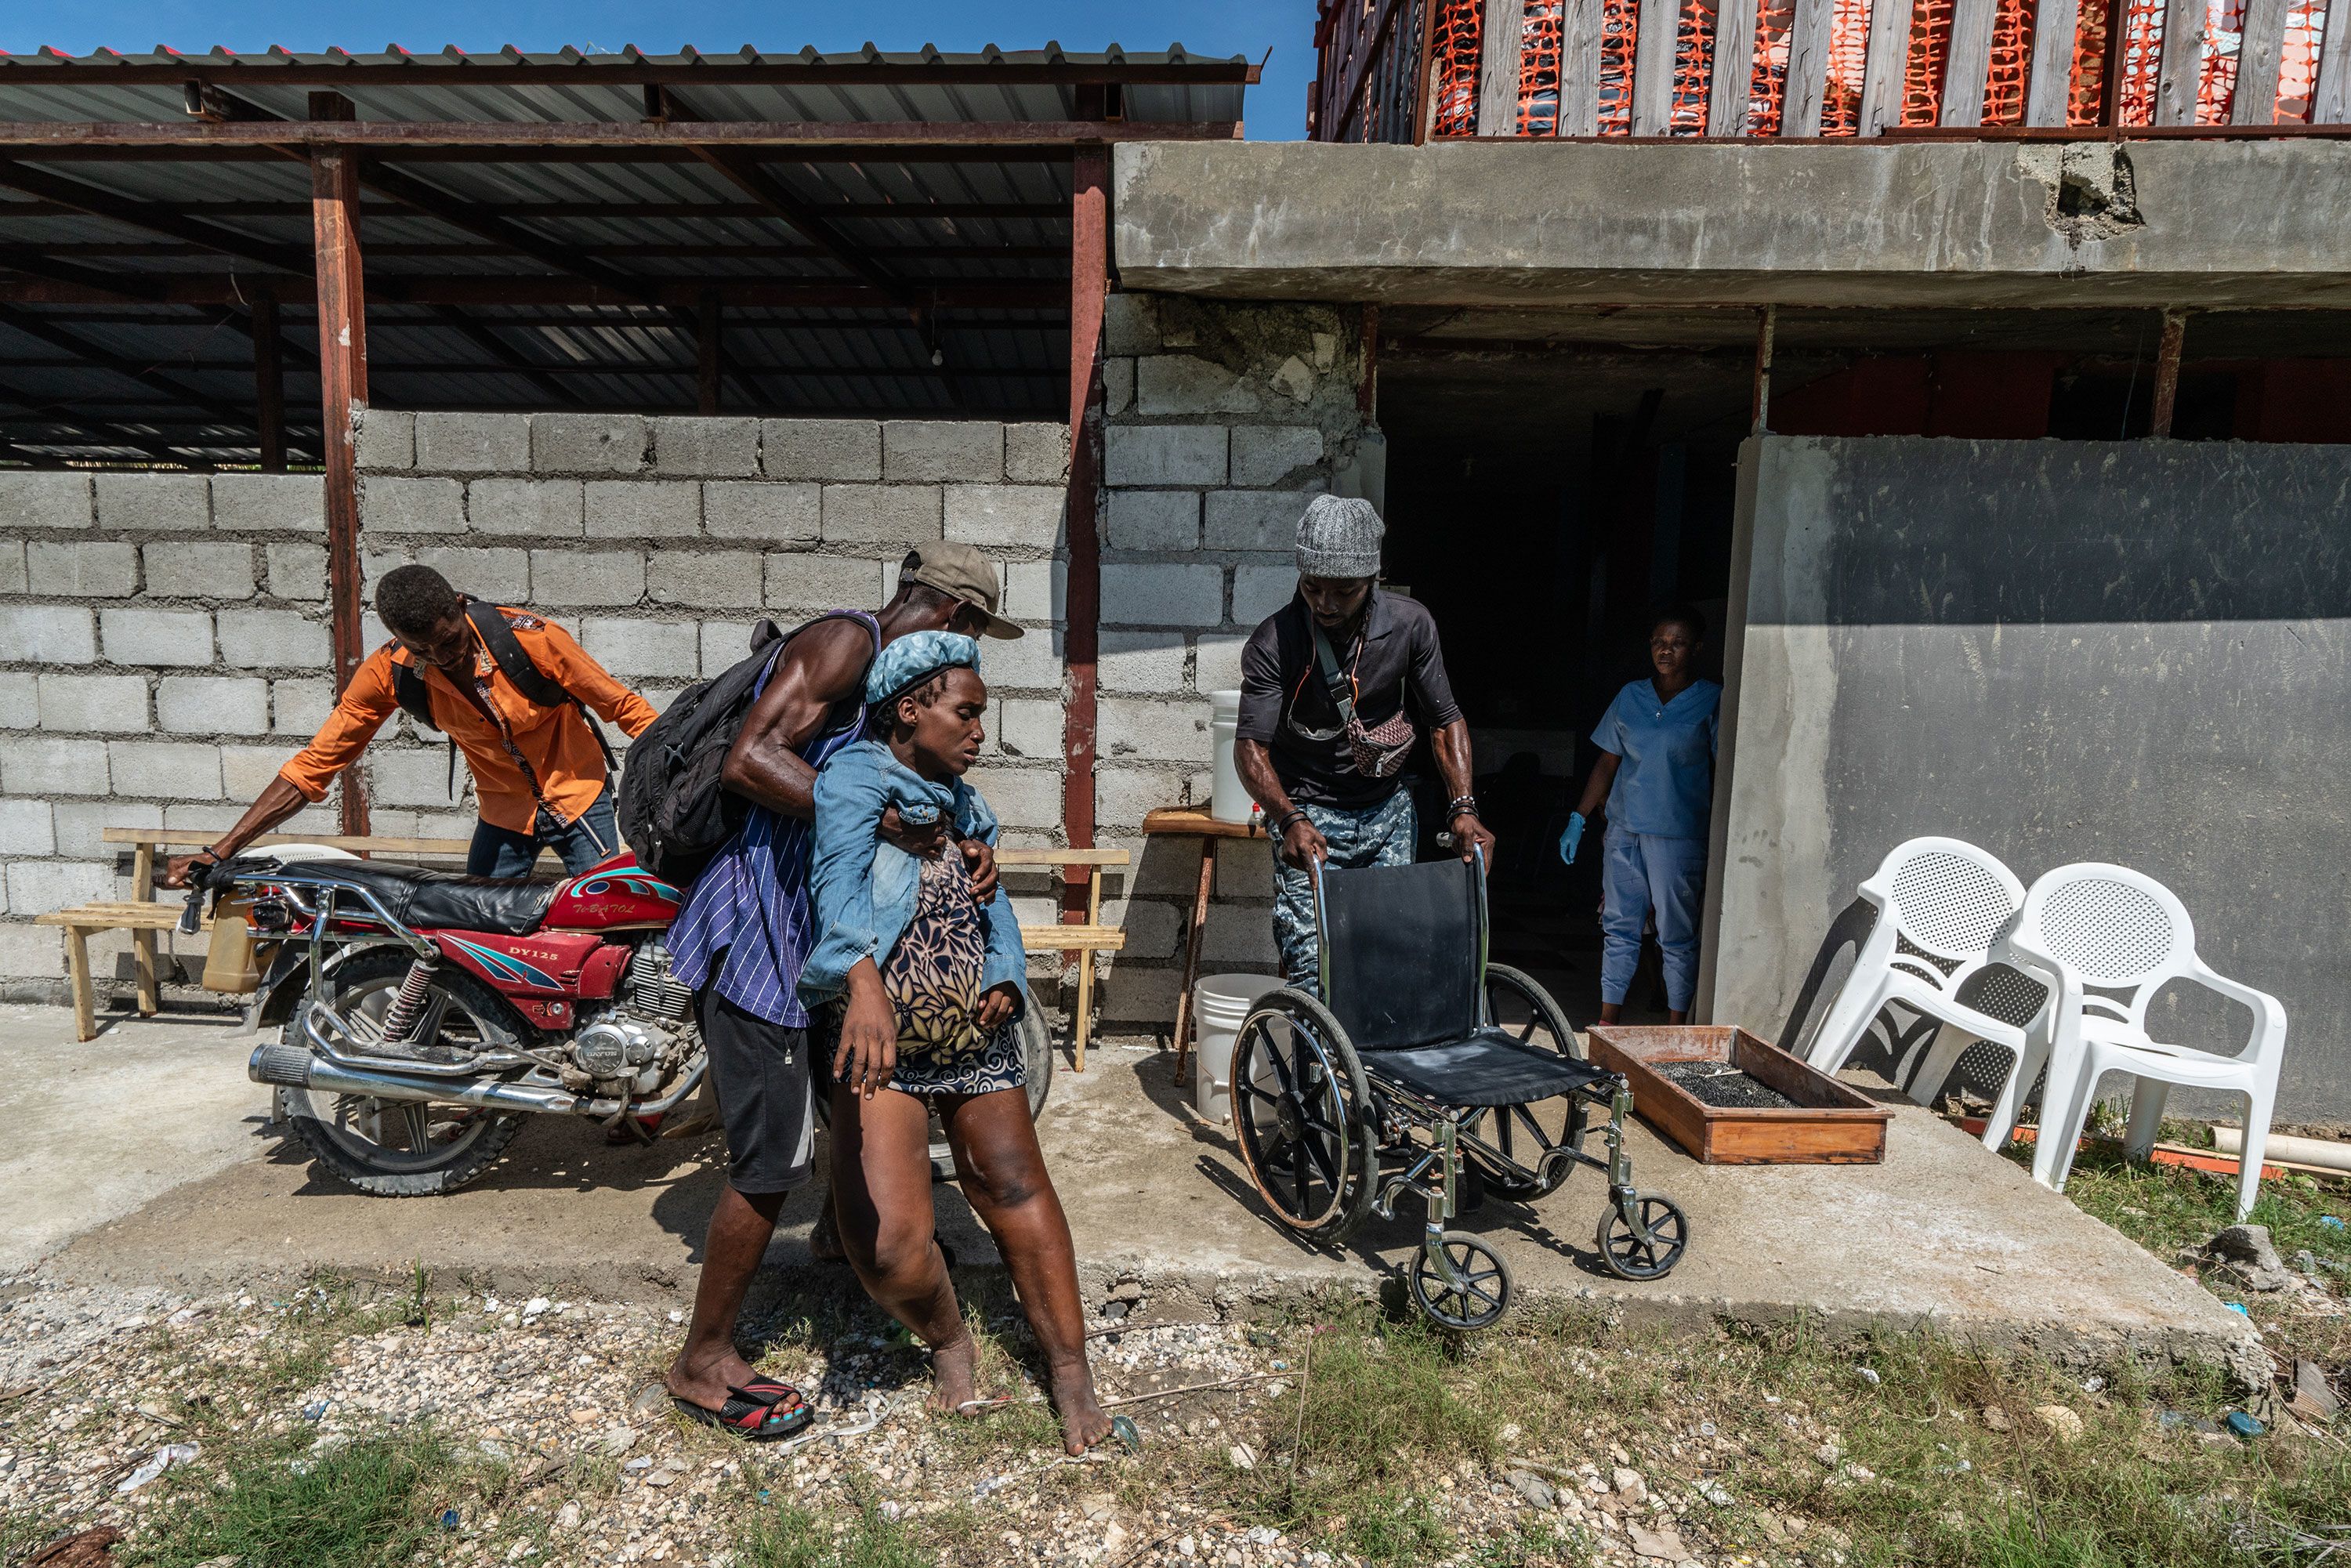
<point x="507" y="278"/>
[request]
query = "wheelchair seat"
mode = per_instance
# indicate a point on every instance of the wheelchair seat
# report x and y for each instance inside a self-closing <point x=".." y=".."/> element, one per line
<point x="1489" y="1068"/>
<point x="444" y="900"/>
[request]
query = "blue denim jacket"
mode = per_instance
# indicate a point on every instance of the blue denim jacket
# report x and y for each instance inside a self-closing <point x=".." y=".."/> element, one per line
<point x="864" y="889"/>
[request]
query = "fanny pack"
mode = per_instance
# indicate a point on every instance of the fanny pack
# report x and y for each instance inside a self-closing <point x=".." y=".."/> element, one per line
<point x="1379" y="750"/>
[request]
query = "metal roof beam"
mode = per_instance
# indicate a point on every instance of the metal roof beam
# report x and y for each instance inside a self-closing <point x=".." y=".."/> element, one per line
<point x="871" y="139"/>
<point x="798" y="69"/>
<point x="603" y="211"/>
<point x="509" y="359"/>
<point x="946" y="153"/>
<point x="147" y="376"/>
<point x="34" y="262"/>
<point x="153" y="216"/>
<point x="664" y="107"/>
<point x="477" y="289"/>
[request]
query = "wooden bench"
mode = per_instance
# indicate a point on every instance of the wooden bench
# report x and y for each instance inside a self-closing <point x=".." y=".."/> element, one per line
<point x="1084" y="941"/>
<point x="142" y="915"/>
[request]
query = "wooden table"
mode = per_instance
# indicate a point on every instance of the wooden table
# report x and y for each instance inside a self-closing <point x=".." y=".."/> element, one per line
<point x="143" y="916"/>
<point x="1083" y="942"/>
<point x="1194" y="821"/>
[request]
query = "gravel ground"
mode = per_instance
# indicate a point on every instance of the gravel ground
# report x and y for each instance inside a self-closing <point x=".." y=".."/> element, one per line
<point x="561" y="1393"/>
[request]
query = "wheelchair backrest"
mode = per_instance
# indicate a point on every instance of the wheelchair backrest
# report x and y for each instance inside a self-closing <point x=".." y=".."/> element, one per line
<point x="1404" y="952"/>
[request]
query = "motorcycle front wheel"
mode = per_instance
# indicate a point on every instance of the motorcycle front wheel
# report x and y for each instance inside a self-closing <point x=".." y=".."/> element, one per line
<point x="400" y="1148"/>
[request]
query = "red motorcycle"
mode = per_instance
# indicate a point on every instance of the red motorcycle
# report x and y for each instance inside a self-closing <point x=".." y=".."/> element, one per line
<point x="424" y="1013"/>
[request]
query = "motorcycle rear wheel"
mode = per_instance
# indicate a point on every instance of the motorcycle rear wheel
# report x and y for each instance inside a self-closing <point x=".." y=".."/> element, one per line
<point x="392" y="1148"/>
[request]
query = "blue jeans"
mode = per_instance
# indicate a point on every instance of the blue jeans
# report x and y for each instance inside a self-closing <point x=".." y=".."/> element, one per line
<point x="579" y="843"/>
<point x="1641" y="872"/>
<point x="1384" y="835"/>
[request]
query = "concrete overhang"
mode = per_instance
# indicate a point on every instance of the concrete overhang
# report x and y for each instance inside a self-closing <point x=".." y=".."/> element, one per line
<point x="2259" y="225"/>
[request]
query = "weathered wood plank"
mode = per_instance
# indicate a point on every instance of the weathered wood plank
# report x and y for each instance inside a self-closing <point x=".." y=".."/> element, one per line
<point x="1580" y="23"/>
<point x="1500" y="48"/>
<point x="2332" y="105"/>
<point x="1883" y="67"/>
<point x="2254" y="102"/>
<point x="1728" y="96"/>
<point x="2050" y="84"/>
<point x="1969" y="64"/>
<point x="2183" y="62"/>
<point x="1808" y="66"/>
<point x="1654" y="40"/>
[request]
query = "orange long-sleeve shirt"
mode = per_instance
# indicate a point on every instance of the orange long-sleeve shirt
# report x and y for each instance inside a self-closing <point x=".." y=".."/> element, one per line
<point x="554" y="741"/>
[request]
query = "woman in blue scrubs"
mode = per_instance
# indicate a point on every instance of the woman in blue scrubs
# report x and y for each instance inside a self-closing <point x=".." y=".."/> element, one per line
<point x="1656" y="774"/>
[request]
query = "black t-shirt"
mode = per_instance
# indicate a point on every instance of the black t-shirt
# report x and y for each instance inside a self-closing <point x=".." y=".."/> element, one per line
<point x="1395" y="664"/>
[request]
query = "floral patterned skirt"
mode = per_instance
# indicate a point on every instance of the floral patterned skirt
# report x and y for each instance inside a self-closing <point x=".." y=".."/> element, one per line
<point x="933" y="977"/>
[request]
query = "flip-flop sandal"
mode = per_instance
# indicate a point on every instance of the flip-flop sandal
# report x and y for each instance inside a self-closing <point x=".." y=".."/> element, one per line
<point x="752" y="1416"/>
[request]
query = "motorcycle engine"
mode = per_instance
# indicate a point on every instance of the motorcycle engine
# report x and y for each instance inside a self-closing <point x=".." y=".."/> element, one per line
<point x="648" y="1027"/>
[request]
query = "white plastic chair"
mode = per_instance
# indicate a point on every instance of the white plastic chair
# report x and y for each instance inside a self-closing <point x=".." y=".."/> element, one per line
<point x="1940" y="904"/>
<point x="2111" y="929"/>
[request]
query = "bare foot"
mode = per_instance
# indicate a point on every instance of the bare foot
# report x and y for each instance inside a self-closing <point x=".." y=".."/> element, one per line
<point x="1084" y="1423"/>
<point x="706" y="1383"/>
<point x="956" y="1366"/>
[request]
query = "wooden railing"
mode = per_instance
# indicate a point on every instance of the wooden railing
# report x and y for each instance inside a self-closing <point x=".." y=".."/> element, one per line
<point x="1410" y="70"/>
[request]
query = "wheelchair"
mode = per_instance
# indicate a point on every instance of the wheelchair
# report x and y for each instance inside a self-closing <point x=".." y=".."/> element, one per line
<point x="1422" y="1069"/>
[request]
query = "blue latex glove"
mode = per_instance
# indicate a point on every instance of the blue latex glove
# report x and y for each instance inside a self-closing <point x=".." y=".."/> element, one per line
<point x="1572" y="837"/>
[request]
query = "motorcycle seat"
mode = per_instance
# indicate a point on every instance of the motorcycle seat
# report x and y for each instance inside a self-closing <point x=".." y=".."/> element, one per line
<point x="444" y="900"/>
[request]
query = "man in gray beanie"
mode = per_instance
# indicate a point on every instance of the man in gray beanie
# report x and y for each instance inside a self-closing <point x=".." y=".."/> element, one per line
<point x="1338" y="687"/>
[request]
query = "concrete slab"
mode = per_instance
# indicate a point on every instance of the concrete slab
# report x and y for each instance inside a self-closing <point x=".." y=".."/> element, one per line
<point x="90" y="1131"/>
<point x="1948" y="225"/>
<point x="1943" y="1234"/>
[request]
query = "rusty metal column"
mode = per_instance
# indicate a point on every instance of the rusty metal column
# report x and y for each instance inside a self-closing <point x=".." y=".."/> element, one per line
<point x="342" y="395"/>
<point x="269" y="381"/>
<point x="1089" y="294"/>
<point x="2167" y="374"/>
<point x="708" y="350"/>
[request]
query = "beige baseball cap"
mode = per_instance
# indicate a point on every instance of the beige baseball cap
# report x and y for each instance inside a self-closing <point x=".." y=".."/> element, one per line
<point x="962" y="571"/>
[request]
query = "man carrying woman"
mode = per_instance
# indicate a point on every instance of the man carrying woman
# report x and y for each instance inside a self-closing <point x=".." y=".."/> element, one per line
<point x="1655" y="773"/>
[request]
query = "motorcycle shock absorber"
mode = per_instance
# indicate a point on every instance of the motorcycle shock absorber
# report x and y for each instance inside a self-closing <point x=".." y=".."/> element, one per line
<point x="408" y="1005"/>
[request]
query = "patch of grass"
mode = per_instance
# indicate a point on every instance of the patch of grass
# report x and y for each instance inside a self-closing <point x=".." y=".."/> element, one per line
<point x="1378" y="1407"/>
<point x="789" y="1537"/>
<point x="366" y="1506"/>
<point x="2166" y="1208"/>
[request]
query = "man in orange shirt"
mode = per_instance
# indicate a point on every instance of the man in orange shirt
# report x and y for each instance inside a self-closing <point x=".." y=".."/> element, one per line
<point x="539" y="775"/>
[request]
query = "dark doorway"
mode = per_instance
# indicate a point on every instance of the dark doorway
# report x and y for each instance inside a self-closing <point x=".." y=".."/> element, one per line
<point x="1544" y="504"/>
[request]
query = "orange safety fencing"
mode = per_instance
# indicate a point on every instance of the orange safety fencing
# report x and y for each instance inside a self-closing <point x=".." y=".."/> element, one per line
<point x="2130" y="71"/>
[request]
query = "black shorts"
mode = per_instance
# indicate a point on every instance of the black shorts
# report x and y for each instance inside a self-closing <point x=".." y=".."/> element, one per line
<point x="760" y="1074"/>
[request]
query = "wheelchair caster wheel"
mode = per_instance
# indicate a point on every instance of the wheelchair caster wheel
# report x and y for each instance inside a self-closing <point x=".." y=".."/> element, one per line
<point x="1627" y="1255"/>
<point x="1478" y="1295"/>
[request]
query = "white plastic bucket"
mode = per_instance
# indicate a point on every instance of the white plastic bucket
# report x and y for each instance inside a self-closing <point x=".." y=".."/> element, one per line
<point x="1230" y="802"/>
<point x="1220" y="1003"/>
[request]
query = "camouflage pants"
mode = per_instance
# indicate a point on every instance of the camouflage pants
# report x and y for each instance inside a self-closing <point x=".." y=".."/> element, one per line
<point x="1383" y="834"/>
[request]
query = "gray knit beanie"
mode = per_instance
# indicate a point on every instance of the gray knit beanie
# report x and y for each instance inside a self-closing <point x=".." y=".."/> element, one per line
<point x="1340" y="536"/>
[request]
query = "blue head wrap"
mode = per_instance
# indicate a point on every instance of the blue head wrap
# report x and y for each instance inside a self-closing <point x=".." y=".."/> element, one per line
<point x="915" y="658"/>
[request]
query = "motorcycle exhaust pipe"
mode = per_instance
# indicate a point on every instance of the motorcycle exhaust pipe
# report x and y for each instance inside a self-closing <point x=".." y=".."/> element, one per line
<point x="294" y="1067"/>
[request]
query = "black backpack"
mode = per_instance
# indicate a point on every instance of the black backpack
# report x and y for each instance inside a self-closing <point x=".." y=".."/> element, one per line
<point x="408" y="684"/>
<point x="676" y="810"/>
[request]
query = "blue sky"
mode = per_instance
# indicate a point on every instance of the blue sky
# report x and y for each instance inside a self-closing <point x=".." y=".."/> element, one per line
<point x="1277" y="108"/>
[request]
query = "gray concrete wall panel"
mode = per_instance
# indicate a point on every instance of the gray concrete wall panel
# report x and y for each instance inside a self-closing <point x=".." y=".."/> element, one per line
<point x="2061" y="652"/>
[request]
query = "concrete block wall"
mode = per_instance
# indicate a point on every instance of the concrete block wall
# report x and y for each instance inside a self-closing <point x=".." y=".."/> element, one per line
<point x="1224" y="419"/>
<point x="659" y="542"/>
<point x="164" y="646"/>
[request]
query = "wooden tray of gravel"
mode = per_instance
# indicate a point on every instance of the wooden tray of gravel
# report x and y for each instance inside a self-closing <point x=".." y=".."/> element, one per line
<point x="1731" y="1099"/>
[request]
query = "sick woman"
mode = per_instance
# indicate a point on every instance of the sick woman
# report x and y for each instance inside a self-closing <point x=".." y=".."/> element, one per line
<point x="1656" y="772"/>
<point x="920" y="987"/>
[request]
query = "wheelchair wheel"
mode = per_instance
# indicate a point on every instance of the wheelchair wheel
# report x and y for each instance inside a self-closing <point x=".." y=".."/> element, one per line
<point x="1523" y="1009"/>
<point x="1301" y="1106"/>
<point x="1482" y="1296"/>
<point x="1628" y="1257"/>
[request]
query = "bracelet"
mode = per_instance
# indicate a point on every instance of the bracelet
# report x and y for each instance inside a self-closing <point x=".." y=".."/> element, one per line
<point x="1461" y="803"/>
<point x="1281" y="828"/>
